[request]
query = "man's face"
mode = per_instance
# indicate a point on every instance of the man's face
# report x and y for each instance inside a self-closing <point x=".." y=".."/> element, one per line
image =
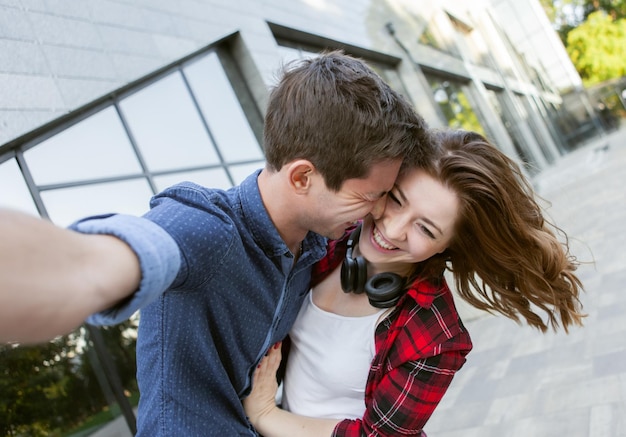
<point x="334" y="212"/>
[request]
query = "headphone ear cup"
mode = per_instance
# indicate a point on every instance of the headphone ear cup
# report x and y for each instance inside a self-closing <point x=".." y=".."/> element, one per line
<point x="353" y="274"/>
<point x="348" y="267"/>
<point x="385" y="289"/>
<point x="361" y="275"/>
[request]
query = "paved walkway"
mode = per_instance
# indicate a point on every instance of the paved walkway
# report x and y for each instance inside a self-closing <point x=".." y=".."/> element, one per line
<point x="518" y="382"/>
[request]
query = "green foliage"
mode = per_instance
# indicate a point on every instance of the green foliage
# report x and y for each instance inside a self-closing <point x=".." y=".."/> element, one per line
<point x="566" y="15"/>
<point x="49" y="388"/>
<point x="455" y="106"/>
<point x="597" y="48"/>
<point x="616" y="9"/>
<point x="594" y="35"/>
<point x="463" y="116"/>
<point x="28" y="373"/>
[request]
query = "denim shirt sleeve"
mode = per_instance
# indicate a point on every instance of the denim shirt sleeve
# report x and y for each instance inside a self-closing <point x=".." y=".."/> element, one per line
<point x="158" y="254"/>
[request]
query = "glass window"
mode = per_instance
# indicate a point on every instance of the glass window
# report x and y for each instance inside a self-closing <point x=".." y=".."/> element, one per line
<point x="93" y="167"/>
<point x="428" y="38"/>
<point x="455" y="105"/>
<point x="240" y="172"/>
<point x="66" y="205"/>
<point x="472" y="44"/>
<point x="167" y="126"/>
<point x="96" y="147"/>
<point x="214" y="178"/>
<point x="499" y="103"/>
<point x="222" y="111"/>
<point x="14" y="191"/>
<point x="436" y="35"/>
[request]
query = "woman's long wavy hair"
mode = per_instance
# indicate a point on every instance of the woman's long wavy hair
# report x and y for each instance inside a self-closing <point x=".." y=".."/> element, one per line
<point x="504" y="256"/>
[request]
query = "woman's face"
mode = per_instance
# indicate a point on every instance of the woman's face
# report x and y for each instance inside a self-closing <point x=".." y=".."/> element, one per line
<point x="417" y="223"/>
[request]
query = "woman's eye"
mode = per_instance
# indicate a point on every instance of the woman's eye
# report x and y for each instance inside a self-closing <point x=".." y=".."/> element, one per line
<point x="393" y="197"/>
<point x="427" y="232"/>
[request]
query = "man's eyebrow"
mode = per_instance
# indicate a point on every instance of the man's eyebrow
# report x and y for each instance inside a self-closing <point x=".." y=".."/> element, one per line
<point x="372" y="196"/>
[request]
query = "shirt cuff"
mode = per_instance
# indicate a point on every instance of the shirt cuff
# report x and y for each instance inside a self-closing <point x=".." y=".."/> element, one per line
<point x="158" y="254"/>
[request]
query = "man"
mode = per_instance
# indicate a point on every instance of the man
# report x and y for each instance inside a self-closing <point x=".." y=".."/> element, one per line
<point x="220" y="275"/>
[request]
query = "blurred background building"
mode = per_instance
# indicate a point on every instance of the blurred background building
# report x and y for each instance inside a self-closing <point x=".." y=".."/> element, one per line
<point x="103" y="103"/>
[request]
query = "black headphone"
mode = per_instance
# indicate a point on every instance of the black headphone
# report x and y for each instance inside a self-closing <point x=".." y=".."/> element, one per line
<point x="383" y="290"/>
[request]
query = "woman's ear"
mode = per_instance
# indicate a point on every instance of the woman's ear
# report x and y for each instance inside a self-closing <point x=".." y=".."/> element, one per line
<point x="300" y="174"/>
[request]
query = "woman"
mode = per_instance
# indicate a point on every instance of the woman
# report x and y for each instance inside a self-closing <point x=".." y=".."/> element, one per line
<point x="470" y="210"/>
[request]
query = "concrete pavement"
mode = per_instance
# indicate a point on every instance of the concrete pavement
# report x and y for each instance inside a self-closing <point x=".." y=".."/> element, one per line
<point x="520" y="382"/>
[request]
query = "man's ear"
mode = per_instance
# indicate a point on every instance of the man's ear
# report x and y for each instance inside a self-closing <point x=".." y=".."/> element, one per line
<point x="300" y="173"/>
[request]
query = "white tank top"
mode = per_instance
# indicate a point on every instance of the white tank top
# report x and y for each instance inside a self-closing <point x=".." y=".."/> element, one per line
<point x="328" y="363"/>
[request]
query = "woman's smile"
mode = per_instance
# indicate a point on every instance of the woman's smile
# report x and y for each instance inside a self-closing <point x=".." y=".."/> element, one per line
<point x="380" y="242"/>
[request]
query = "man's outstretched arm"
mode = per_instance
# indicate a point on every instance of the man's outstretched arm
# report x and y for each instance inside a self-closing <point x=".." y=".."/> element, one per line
<point x="52" y="278"/>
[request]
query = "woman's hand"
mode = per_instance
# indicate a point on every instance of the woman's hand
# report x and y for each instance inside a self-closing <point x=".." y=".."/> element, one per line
<point x="266" y="417"/>
<point x="261" y="401"/>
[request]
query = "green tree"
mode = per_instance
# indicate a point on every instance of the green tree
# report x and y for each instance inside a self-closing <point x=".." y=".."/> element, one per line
<point x="566" y="15"/>
<point x="615" y="8"/>
<point x="597" y="48"/>
<point x="33" y="385"/>
<point x="49" y="388"/>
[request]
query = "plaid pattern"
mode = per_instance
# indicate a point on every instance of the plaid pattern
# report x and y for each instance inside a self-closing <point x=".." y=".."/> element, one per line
<point x="419" y="348"/>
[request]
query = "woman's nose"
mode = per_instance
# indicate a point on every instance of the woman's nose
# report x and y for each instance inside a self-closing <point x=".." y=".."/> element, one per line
<point x="394" y="226"/>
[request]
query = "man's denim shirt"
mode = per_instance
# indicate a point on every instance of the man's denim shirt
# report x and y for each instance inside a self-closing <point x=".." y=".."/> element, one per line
<point x="231" y="292"/>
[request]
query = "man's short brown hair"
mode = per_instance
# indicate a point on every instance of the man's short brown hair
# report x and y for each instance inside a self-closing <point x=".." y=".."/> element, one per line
<point x="339" y="114"/>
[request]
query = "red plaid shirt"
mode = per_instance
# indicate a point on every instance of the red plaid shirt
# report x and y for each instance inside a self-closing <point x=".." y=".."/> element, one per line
<point x="419" y="348"/>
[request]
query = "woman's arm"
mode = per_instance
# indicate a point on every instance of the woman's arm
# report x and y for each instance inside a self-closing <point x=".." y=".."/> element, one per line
<point x="402" y="403"/>
<point x="268" y="419"/>
<point x="405" y="398"/>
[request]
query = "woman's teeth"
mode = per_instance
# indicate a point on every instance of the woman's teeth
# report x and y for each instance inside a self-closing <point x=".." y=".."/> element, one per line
<point x="378" y="238"/>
